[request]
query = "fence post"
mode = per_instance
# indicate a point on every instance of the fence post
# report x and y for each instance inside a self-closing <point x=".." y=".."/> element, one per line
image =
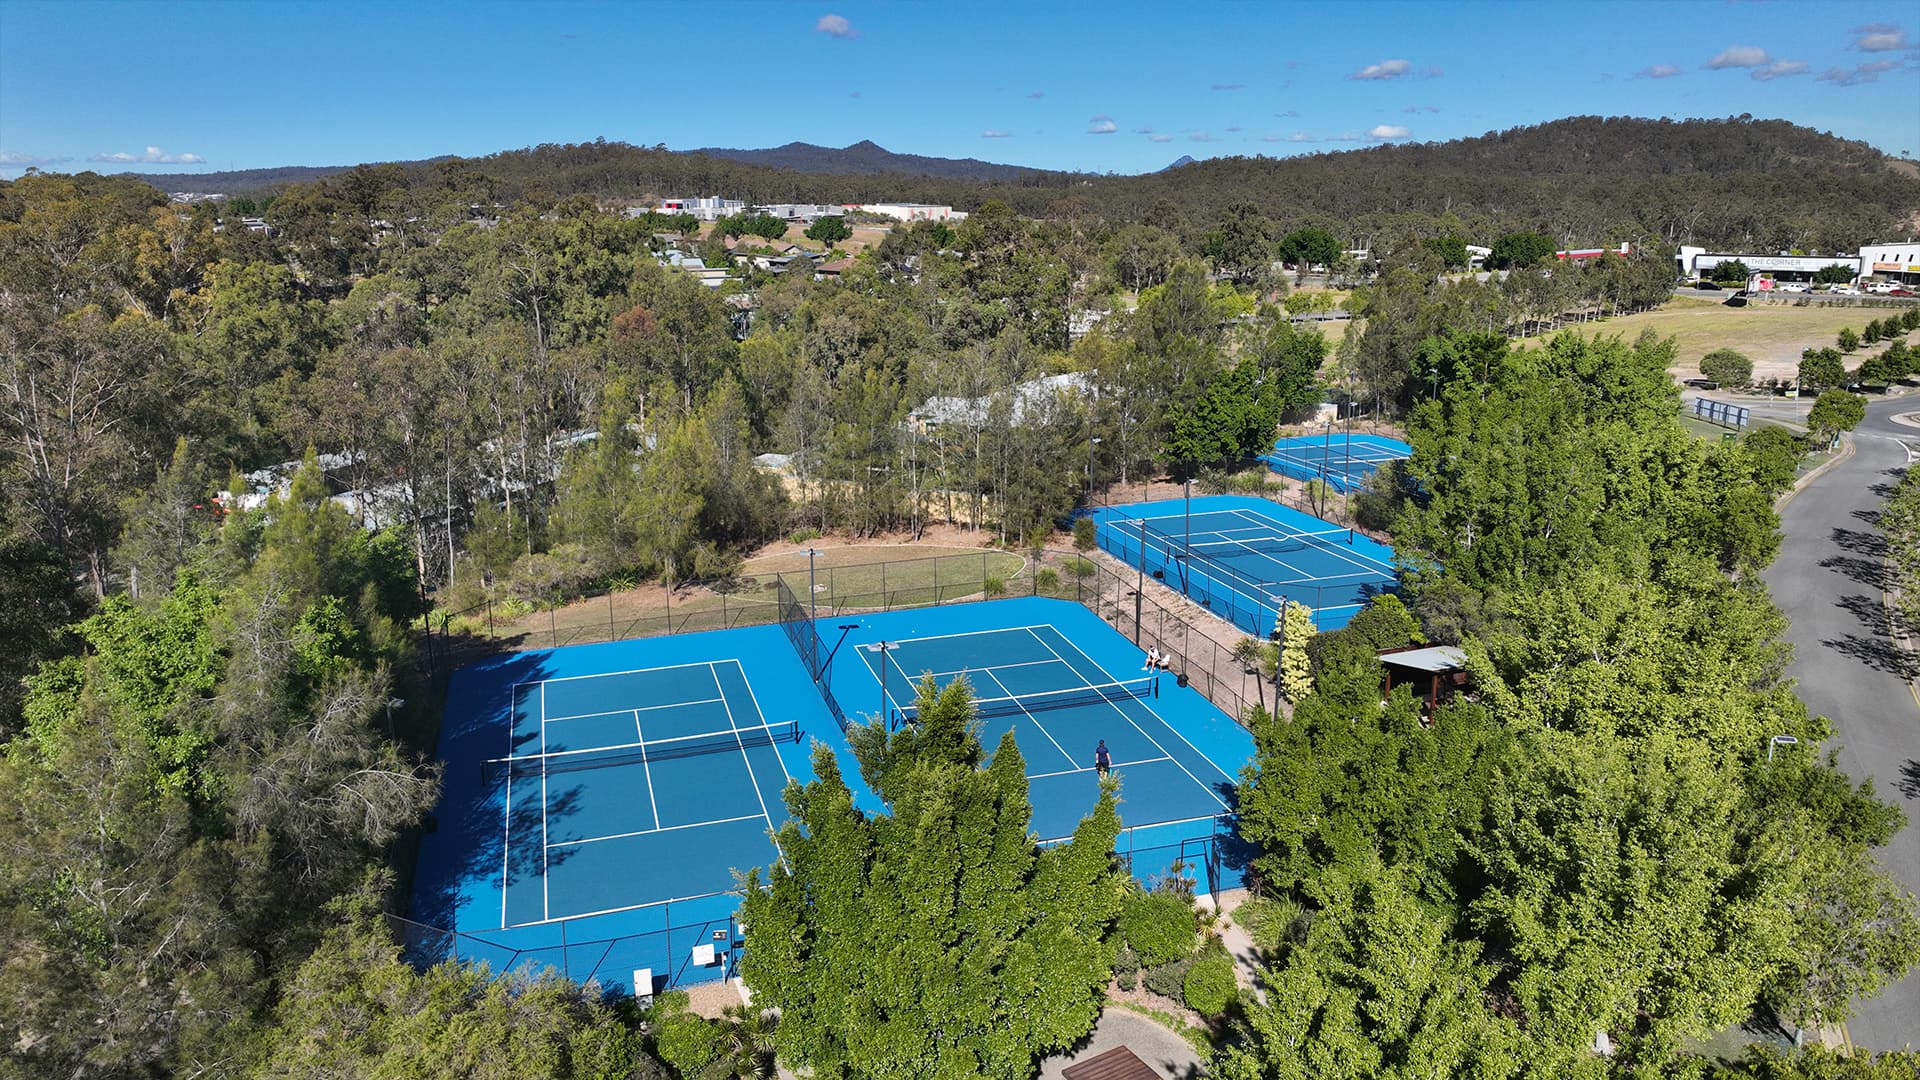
<point x="886" y="601"/>
<point x="553" y="625"/>
<point x="612" y="634"/>
<point x="490" y="634"/>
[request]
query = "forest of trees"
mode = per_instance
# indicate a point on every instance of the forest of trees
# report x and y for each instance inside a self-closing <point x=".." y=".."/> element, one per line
<point x="210" y="754"/>
<point x="1736" y="184"/>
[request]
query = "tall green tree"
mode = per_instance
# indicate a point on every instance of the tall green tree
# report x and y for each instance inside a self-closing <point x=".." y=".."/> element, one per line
<point x="935" y="940"/>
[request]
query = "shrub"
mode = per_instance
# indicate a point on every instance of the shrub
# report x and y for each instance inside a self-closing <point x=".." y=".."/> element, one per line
<point x="803" y="536"/>
<point x="1080" y="568"/>
<point x="1269" y="922"/>
<point x="996" y="586"/>
<point x="1159" y="927"/>
<point x="1910" y="319"/>
<point x="1126" y="968"/>
<point x="1048" y="578"/>
<point x="1083" y="535"/>
<point x="1169" y="980"/>
<point x="1209" y="986"/>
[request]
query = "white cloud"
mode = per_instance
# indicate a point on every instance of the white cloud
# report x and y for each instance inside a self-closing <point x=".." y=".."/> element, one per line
<point x="836" y="26"/>
<point x="1143" y="130"/>
<point x="1780" y="69"/>
<point x="153" y="156"/>
<point x="1880" y="37"/>
<point x="1288" y="115"/>
<point x="14" y="159"/>
<point x="1269" y="138"/>
<point x="1102" y="125"/>
<point x="1345" y="136"/>
<point x="1740" y="56"/>
<point x="1235" y="129"/>
<point x="1159" y="138"/>
<point x="1228" y="86"/>
<point x="1387" y="131"/>
<point x="1201" y="136"/>
<point x="1658" y="71"/>
<point x="1299" y="136"/>
<point x="1385" y="69"/>
<point x="992" y="134"/>
<point x="1860" y="73"/>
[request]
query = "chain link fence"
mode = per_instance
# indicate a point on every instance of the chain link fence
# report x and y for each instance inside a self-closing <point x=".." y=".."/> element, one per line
<point x="1226" y="676"/>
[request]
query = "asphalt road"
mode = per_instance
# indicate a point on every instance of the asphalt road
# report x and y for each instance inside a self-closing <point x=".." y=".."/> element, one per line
<point x="1828" y="579"/>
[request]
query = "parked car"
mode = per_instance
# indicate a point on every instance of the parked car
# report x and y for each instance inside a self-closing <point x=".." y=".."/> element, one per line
<point x="1843" y="290"/>
<point x="1710" y="286"/>
<point x="1792" y="286"/>
<point x="1903" y="292"/>
<point x="1882" y="287"/>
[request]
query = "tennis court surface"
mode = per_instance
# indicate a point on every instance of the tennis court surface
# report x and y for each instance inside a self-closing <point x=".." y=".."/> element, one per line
<point x="1344" y="460"/>
<point x="599" y="799"/>
<point x="1243" y="558"/>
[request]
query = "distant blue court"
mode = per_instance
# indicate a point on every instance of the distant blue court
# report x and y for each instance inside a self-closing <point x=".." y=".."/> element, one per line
<point x="600" y="799"/>
<point x="1344" y="460"/>
<point x="1243" y="558"/>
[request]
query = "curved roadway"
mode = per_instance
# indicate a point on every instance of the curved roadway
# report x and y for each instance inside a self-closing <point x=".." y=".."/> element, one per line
<point x="1830" y="579"/>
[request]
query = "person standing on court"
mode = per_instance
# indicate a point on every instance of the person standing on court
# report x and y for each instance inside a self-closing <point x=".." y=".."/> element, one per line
<point x="1102" y="760"/>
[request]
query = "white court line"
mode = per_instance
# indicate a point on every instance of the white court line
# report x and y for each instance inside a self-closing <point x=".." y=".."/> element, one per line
<point x="762" y="715"/>
<point x="611" y="674"/>
<point x="646" y="770"/>
<point x="546" y="904"/>
<point x="623" y="712"/>
<point x="958" y="633"/>
<point x="989" y="667"/>
<point x="656" y="829"/>
<point x="1163" y="721"/>
<point x="1115" y="765"/>
<point x="744" y="756"/>
<point x="1356" y="558"/>
<point x="1036" y="721"/>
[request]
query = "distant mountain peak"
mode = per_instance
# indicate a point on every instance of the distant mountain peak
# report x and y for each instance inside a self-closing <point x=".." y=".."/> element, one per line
<point x="867" y="158"/>
<point x="1183" y="160"/>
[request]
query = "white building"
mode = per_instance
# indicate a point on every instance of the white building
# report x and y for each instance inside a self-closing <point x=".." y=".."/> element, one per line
<point x="704" y="207"/>
<point x="1893" y="262"/>
<point x="1696" y="262"/>
<point x="913" y="211"/>
<point x="807" y="212"/>
<point x="1029" y="399"/>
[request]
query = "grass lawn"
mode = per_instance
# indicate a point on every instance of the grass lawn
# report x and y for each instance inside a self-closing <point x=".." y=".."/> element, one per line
<point x="1771" y="334"/>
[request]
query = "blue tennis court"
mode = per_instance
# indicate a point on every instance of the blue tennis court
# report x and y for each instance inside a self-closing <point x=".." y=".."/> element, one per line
<point x="1344" y="460"/>
<point x="1244" y="558"/>
<point x="632" y="787"/>
<point x="599" y="800"/>
<point x="1060" y="703"/>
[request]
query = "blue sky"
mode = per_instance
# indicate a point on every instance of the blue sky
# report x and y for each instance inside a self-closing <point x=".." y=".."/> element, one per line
<point x="1098" y="87"/>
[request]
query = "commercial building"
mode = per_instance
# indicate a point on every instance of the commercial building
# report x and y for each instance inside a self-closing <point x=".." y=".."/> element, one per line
<point x="704" y="207"/>
<point x="1695" y="262"/>
<point x="913" y="211"/>
<point x="1892" y="262"/>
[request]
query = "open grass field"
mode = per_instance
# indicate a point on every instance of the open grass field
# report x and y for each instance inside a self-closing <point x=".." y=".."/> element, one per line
<point x="1771" y="334"/>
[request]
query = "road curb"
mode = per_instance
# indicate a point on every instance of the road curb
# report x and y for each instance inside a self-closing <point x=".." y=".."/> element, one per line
<point x="1846" y="451"/>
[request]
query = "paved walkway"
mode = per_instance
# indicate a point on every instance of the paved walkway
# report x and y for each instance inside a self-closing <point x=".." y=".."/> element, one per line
<point x="1165" y="1052"/>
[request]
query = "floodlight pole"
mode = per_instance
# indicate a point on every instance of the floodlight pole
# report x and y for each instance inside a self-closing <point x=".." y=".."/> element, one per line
<point x="1140" y="585"/>
<point x="1779" y="740"/>
<point x="881" y="648"/>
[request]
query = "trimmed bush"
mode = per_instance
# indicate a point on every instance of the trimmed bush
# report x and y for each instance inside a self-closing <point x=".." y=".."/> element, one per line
<point x="1126" y="968"/>
<point x="1080" y="568"/>
<point x="1159" y="927"/>
<point x="1168" y="980"/>
<point x="996" y="586"/>
<point x="1083" y="534"/>
<point x="1048" y="579"/>
<point x="1209" y="986"/>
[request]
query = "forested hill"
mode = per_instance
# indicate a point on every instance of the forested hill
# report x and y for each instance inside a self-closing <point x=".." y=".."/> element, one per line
<point x="1751" y="184"/>
<point x="867" y="158"/>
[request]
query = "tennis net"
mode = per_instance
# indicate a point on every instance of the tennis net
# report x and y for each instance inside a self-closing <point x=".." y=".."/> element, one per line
<point x="599" y="757"/>
<point x="1054" y="699"/>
